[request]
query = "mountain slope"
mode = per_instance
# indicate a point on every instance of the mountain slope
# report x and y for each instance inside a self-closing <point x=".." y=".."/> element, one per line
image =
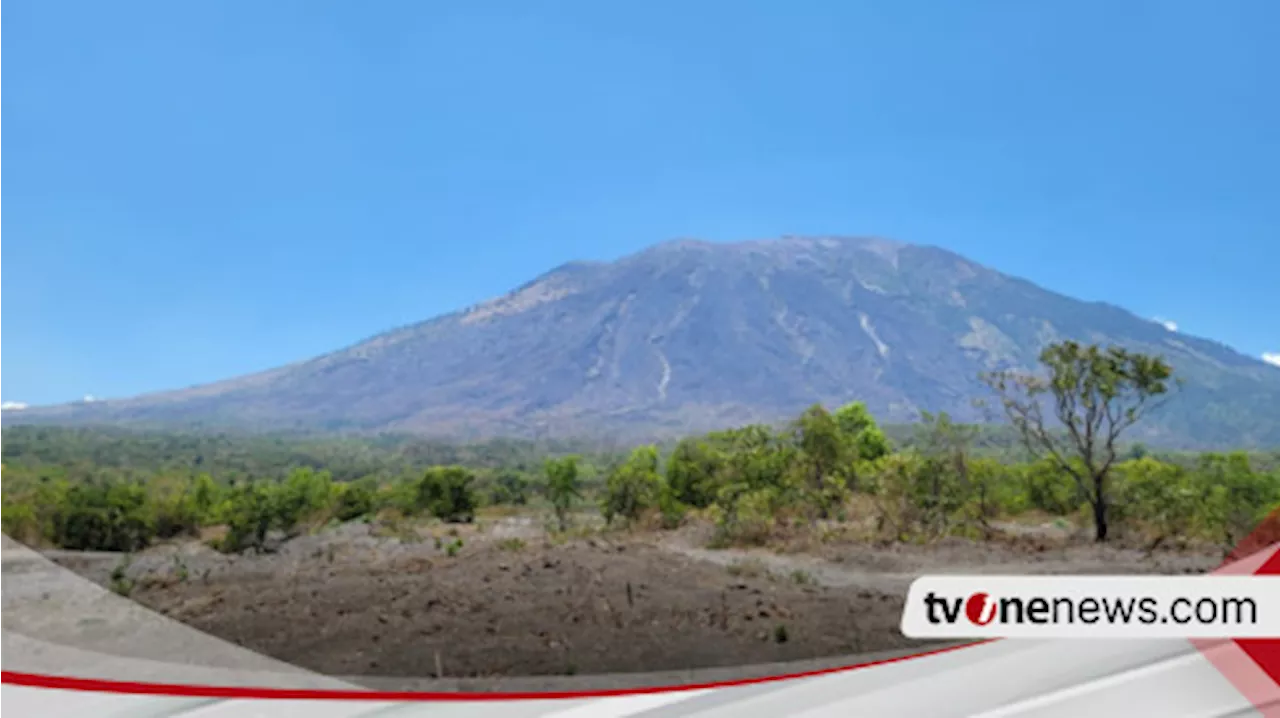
<point x="688" y="336"/>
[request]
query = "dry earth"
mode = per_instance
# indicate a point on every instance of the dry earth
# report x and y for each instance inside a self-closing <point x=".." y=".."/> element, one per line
<point x="508" y="602"/>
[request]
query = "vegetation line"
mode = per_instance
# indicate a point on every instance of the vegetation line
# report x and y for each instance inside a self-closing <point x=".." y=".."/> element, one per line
<point x="825" y="471"/>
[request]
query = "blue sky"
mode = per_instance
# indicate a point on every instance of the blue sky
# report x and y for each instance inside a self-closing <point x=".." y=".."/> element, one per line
<point x="199" y="190"/>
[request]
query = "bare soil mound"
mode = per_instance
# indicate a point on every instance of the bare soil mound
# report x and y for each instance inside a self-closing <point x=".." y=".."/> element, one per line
<point x="355" y="601"/>
<point x="584" y="607"/>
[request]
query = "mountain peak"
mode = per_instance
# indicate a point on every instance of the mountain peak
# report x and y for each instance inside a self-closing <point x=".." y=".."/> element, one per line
<point x="691" y="335"/>
<point x="786" y="241"/>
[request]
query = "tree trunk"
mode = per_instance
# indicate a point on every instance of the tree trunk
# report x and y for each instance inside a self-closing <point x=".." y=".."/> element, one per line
<point x="1099" y="511"/>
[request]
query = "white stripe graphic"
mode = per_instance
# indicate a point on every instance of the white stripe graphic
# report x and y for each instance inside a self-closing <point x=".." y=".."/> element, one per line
<point x="621" y="706"/>
<point x="1067" y="694"/>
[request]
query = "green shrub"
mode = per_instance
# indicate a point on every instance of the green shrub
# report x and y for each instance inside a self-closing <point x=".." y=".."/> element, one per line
<point x="563" y="487"/>
<point x="1050" y="490"/>
<point x="20" y="521"/>
<point x="250" y="514"/>
<point x="303" y="494"/>
<point x="921" y="498"/>
<point x="694" y="470"/>
<point x="1235" y="497"/>
<point x="107" y="516"/>
<point x="1155" y="499"/>
<point x="121" y="584"/>
<point x="747" y="517"/>
<point x="173" y="507"/>
<point x="446" y="492"/>
<point x="634" y="487"/>
<point x="453" y="547"/>
<point x="509" y="489"/>
<point x="354" y="500"/>
<point x="671" y="510"/>
<point x="996" y="489"/>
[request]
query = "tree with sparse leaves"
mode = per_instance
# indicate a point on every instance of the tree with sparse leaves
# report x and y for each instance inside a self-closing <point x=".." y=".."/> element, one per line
<point x="824" y="458"/>
<point x="945" y="446"/>
<point x="1076" y="414"/>
<point x="563" y="487"/>
<point x="633" y="487"/>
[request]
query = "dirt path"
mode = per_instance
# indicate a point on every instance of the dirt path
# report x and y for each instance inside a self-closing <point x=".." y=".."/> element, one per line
<point x="820" y="571"/>
<point x="891" y="568"/>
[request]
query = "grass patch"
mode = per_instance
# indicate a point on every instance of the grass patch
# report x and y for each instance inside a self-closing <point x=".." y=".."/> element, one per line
<point x="121" y="584"/>
<point x="747" y="568"/>
<point x="801" y="577"/>
<point x="511" y="544"/>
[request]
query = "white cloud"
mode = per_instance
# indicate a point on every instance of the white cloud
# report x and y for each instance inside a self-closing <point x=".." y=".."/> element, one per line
<point x="12" y="405"/>
<point x="89" y="398"/>
<point x="1166" y="323"/>
<point x="1271" y="358"/>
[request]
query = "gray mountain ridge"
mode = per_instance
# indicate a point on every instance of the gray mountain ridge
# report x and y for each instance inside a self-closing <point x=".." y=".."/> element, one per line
<point x="689" y="336"/>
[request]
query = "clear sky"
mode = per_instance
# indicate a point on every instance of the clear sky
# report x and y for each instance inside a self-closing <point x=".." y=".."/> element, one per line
<point x="202" y="189"/>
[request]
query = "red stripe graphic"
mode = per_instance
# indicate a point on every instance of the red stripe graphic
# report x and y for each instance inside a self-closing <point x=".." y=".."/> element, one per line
<point x="1252" y="665"/>
<point x="199" y="691"/>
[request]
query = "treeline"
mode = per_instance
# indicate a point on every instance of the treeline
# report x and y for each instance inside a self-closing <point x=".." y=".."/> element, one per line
<point x="76" y="489"/>
<point x="85" y="452"/>
<point x="755" y="482"/>
<point x="102" y="489"/>
<point x="119" y="513"/>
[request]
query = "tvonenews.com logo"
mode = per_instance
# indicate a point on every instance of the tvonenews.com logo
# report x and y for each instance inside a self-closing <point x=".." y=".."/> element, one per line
<point x="1093" y="606"/>
<point x="982" y="609"/>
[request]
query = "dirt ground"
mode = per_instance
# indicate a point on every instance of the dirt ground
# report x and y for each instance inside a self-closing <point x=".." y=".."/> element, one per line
<point x="510" y="603"/>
